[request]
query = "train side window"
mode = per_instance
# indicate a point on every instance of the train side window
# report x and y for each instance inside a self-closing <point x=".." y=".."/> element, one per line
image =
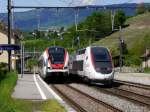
<point x="87" y="58"/>
<point x="40" y="63"/>
<point x="81" y="52"/>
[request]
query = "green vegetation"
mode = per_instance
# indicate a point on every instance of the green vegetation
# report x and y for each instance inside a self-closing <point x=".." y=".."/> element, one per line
<point x="31" y="63"/>
<point x="95" y="27"/>
<point x="136" y="37"/>
<point x="3" y="70"/>
<point x="8" y="104"/>
<point x="147" y="70"/>
<point x="2" y="26"/>
<point x="120" y="18"/>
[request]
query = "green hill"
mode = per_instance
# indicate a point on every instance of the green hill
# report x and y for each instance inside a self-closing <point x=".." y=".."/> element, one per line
<point x="136" y="36"/>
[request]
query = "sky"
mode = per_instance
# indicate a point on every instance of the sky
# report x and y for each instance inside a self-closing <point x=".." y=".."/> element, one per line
<point x="3" y="3"/>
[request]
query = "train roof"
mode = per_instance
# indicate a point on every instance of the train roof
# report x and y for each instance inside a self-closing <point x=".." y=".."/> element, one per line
<point x="90" y="46"/>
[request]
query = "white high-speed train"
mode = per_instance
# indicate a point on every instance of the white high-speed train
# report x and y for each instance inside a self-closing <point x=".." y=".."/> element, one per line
<point x="53" y="61"/>
<point x="93" y="64"/>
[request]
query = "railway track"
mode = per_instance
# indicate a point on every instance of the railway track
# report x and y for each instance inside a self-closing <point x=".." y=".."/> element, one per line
<point x="78" y="100"/>
<point x="75" y="105"/>
<point x="137" y="93"/>
<point x="131" y="84"/>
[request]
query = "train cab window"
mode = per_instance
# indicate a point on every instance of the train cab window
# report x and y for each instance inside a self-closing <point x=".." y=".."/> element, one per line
<point x="102" y="60"/>
<point x="56" y="55"/>
<point x="100" y="54"/>
<point x="87" y="58"/>
<point x="81" y="51"/>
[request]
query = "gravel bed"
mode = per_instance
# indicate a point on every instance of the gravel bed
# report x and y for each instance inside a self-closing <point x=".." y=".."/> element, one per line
<point x="88" y="104"/>
<point x="122" y="104"/>
<point x="136" y="90"/>
<point x="141" y="78"/>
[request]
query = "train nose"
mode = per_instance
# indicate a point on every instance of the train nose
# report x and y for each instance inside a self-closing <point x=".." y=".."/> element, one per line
<point x="57" y="66"/>
<point x="104" y="70"/>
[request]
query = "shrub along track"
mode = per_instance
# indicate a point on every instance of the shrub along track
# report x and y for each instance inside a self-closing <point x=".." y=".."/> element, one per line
<point x="81" y="101"/>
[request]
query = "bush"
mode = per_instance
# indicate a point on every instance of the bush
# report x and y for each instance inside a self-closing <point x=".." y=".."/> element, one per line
<point x="6" y="87"/>
<point x="147" y="70"/>
<point x="31" y="63"/>
<point x="3" y="70"/>
<point x="8" y="104"/>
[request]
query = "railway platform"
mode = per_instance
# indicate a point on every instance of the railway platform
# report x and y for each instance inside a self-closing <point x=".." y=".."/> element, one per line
<point x="141" y="78"/>
<point x="32" y="87"/>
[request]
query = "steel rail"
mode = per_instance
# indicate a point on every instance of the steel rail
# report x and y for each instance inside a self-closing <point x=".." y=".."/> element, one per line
<point x="128" y="95"/>
<point x="138" y="85"/>
<point x="115" y="109"/>
<point x="75" y="105"/>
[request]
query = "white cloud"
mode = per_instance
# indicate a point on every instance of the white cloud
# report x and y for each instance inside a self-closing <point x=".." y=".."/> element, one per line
<point x="87" y="2"/>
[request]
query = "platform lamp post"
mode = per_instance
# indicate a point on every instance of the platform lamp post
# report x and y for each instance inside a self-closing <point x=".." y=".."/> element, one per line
<point x="9" y="33"/>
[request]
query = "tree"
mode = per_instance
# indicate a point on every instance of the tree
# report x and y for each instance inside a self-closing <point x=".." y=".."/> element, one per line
<point x="98" y="24"/>
<point x="120" y="18"/>
<point x="2" y="25"/>
<point x="31" y="63"/>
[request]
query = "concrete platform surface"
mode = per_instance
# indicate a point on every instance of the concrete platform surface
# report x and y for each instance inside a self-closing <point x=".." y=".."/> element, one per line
<point x="32" y="87"/>
<point x="142" y="78"/>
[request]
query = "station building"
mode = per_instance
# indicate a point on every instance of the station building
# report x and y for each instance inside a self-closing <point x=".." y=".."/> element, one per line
<point x="4" y="54"/>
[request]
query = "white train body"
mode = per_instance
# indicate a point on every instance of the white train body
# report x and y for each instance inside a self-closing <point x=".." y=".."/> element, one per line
<point x="93" y="63"/>
<point x="54" y="60"/>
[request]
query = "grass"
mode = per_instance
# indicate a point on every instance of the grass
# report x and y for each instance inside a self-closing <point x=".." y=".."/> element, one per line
<point x="8" y="104"/>
<point x="147" y="70"/>
<point x="136" y="36"/>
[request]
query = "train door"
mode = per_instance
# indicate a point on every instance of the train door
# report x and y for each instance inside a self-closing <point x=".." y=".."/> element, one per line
<point x="44" y="68"/>
<point x="86" y="64"/>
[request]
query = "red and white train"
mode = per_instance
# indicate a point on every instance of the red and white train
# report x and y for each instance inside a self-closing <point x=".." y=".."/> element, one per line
<point x="93" y="63"/>
<point x="54" y="60"/>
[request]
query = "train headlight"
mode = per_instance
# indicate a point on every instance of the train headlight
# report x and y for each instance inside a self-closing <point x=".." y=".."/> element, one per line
<point x="49" y="68"/>
<point x="109" y="69"/>
<point x="65" y="67"/>
<point x="98" y="69"/>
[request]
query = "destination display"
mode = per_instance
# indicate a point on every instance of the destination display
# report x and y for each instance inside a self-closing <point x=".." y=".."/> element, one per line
<point x="9" y="47"/>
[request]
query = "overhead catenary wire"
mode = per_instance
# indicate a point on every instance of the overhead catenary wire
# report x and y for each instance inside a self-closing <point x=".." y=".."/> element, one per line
<point x="76" y="16"/>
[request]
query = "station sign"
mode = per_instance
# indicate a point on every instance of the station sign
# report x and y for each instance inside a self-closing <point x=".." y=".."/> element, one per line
<point x="9" y="47"/>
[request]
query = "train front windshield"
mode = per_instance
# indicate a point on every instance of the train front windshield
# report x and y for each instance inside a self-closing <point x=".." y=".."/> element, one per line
<point x="102" y="60"/>
<point x="56" y="55"/>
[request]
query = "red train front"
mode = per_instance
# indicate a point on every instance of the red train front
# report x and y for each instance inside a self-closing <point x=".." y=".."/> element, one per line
<point x="54" y="60"/>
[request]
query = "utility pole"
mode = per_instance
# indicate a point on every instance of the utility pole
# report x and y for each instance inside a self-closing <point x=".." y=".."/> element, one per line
<point x="112" y="19"/>
<point x="21" y="57"/>
<point x="9" y="33"/>
<point x="120" y="45"/>
<point x="76" y="19"/>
